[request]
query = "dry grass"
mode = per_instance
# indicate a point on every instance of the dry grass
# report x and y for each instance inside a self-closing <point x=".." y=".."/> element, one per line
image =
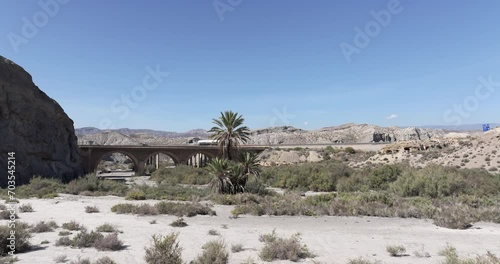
<point x="164" y="250"/>
<point x="283" y="248"/>
<point x="91" y="209"/>
<point x="214" y="252"/>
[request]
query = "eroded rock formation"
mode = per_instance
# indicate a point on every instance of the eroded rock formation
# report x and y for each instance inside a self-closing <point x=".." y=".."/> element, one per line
<point x="35" y="127"/>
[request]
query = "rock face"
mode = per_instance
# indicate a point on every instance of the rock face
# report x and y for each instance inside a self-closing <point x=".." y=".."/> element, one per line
<point x="36" y="128"/>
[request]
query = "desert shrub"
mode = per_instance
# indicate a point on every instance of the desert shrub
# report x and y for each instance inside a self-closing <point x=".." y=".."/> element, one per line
<point x="214" y="252"/>
<point x="26" y="208"/>
<point x="90" y="184"/>
<point x="8" y="214"/>
<point x="22" y="238"/>
<point x="61" y="259"/>
<point x="380" y="178"/>
<point x="164" y="250"/>
<point x="321" y="176"/>
<point x="135" y="195"/>
<point x="361" y="260"/>
<point x="64" y="242"/>
<point x="72" y="226"/>
<point x="213" y="232"/>
<point x="182" y="174"/>
<point x="184" y="209"/>
<point x="350" y="150"/>
<point x="85" y="239"/>
<point x="106" y="228"/>
<point x="64" y="233"/>
<point x="437" y="181"/>
<point x="454" y="217"/>
<point x="108" y="243"/>
<point x="143" y="209"/>
<point x="167" y="191"/>
<point x="91" y="209"/>
<point x="179" y="223"/>
<point x="42" y="227"/>
<point x="105" y="260"/>
<point x="237" y="248"/>
<point x="396" y="251"/>
<point x="40" y="187"/>
<point x="81" y="261"/>
<point x="284" y="249"/>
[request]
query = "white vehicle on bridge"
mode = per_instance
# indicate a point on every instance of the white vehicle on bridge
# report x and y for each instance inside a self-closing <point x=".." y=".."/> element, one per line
<point x="202" y="142"/>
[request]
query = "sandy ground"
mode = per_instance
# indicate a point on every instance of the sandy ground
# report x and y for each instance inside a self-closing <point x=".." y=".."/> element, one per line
<point x="332" y="239"/>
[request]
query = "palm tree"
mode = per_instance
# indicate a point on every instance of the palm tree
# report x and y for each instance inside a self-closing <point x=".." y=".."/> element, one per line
<point x="250" y="166"/>
<point x="222" y="177"/>
<point x="229" y="133"/>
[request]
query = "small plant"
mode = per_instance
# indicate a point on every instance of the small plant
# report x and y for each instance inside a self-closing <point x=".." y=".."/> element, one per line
<point x="72" y="226"/>
<point x="237" y="248"/>
<point x="214" y="252"/>
<point x="61" y="259"/>
<point x="213" y="232"/>
<point x="63" y="242"/>
<point x="223" y="226"/>
<point x="44" y="242"/>
<point x="105" y="260"/>
<point x="26" y="208"/>
<point x="283" y="248"/>
<point x="85" y="239"/>
<point x="64" y="233"/>
<point x="109" y="243"/>
<point x="396" y="251"/>
<point x="152" y="222"/>
<point x="135" y="195"/>
<point x="164" y="250"/>
<point x="42" y="227"/>
<point x="91" y="209"/>
<point x="81" y="261"/>
<point x="361" y="260"/>
<point x="179" y="223"/>
<point x="107" y="228"/>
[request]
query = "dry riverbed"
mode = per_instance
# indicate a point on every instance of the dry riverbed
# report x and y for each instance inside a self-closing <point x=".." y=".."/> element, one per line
<point x="332" y="239"/>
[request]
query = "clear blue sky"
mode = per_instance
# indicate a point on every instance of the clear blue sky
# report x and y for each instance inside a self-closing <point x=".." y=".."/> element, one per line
<point x="263" y="57"/>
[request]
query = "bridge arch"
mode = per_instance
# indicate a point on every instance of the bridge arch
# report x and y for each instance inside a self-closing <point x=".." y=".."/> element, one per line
<point x="101" y="157"/>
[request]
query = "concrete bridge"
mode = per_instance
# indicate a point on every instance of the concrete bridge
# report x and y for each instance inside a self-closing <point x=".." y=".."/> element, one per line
<point x="142" y="155"/>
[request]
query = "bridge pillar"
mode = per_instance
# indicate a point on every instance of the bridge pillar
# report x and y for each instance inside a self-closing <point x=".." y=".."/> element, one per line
<point x="140" y="167"/>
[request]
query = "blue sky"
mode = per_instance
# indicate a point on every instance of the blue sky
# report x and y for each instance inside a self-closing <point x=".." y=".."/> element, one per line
<point x="275" y="62"/>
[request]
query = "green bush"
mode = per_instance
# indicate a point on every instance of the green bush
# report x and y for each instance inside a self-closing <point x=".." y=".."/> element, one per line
<point x="91" y="185"/>
<point x="40" y="187"/>
<point x="22" y="238"/>
<point x="171" y="208"/>
<point x="164" y="250"/>
<point x="214" y="252"/>
<point x="166" y="191"/>
<point x="321" y="176"/>
<point x="350" y="150"/>
<point x="437" y="181"/>
<point x="135" y="195"/>
<point x="181" y="174"/>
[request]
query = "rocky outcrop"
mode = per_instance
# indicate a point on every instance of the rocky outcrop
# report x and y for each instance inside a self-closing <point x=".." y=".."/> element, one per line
<point x="35" y="127"/>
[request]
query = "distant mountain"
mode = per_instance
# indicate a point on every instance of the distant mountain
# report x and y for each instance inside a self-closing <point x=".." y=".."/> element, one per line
<point x="84" y="131"/>
<point x="465" y="127"/>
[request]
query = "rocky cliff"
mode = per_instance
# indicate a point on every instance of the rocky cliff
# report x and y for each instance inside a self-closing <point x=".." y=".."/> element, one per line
<point x="35" y="127"/>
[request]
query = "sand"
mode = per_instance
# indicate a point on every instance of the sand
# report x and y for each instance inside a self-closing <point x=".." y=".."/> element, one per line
<point x="332" y="239"/>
